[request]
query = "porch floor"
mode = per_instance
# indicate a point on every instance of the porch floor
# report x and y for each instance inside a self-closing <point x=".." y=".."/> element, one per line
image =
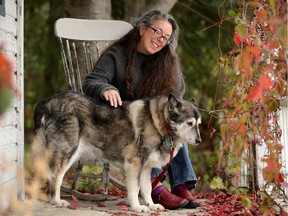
<point x="110" y="207"/>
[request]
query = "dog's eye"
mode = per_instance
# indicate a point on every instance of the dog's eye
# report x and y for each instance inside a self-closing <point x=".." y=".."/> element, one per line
<point x="190" y="124"/>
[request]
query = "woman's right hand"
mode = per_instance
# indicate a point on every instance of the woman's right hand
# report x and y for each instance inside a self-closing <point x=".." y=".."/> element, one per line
<point x="113" y="97"/>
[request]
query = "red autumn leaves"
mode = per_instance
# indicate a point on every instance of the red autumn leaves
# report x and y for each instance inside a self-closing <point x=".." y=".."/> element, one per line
<point x="271" y="173"/>
<point x="243" y="64"/>
<point x="258" y="80"/>
<point x="256" y="92"/>
<point x="251" y="37"/>
<point x="5" y="71"/>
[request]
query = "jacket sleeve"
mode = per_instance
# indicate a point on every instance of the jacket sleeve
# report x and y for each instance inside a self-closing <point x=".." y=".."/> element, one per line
<point x="101" y="78"/>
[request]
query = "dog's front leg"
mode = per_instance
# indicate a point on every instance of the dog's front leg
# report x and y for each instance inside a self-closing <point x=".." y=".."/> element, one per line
<point x="146" y="188"/>
<point x="133" y="186"/>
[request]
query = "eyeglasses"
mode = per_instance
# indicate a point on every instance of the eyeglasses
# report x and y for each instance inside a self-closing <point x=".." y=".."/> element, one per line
<point x="160" y="35"/>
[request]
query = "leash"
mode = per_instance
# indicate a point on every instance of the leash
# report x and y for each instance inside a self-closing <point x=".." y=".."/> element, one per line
<point x="170" y="142"/>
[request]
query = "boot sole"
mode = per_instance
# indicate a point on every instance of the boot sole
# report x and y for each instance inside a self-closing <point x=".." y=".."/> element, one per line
<point x="192" y="205"/>
<point x="179" y="206"/>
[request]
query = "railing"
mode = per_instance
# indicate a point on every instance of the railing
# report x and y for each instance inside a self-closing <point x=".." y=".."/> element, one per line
<point x="282" y="115"/>
<point x="261" y="150"/>
<point x="284" y="138"/>
<point x="251" y="171"/>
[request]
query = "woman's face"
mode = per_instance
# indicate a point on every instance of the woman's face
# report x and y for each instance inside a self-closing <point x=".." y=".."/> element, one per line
<point x="154" y="37"/>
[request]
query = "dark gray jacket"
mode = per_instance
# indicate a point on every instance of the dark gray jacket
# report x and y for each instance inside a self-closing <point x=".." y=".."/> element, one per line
<point x="109" y="73"/>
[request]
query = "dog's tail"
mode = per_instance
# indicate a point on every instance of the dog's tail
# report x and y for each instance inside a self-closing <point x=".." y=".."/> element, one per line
<point x="39" y="113"/>
<point x="39" y="154"/>
<point x="39" y="127"/>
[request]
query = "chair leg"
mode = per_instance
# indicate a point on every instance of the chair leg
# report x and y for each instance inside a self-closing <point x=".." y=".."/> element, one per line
<point x="77" y="175"/>
<point x="106" y="169"/>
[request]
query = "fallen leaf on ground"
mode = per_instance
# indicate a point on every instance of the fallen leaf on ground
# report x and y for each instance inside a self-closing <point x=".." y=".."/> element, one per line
<point x="101" y="205"/>
<point x="74" y="204"/>
<point x="123" y="207"/>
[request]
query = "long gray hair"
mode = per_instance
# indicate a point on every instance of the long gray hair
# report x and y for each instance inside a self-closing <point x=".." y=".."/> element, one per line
<point x="152" y="16"/>
<point x="162" y="73"/>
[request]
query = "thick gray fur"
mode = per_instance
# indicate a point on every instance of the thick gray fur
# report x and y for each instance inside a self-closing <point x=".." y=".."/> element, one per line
<point x="71" y="125"/>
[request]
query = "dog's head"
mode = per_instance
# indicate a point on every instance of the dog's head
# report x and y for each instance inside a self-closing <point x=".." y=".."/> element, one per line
<point x="184" y="119"/>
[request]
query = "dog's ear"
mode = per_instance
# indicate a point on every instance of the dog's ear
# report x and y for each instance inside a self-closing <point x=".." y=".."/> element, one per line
<point x="194" y="102"/>
<point x="173" y="103"/>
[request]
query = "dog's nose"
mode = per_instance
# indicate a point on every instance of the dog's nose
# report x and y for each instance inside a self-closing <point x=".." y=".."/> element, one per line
<point x="198" y="140"/>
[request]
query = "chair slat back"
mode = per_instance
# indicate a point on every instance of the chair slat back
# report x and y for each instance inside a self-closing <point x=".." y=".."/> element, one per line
<point x="82" y="42"/>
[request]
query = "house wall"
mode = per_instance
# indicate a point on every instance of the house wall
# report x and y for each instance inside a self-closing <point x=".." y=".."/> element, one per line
<point x="12" y="122"/>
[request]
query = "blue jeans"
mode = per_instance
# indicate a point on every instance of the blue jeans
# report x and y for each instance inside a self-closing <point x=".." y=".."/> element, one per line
<point x="180" y="170"/>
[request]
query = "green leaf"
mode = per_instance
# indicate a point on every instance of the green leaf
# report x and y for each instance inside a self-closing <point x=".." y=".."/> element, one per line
<point x="217" y="183"/>
<point x="246" y="201"/>
<point x="273" y="105"/>
<point x="231" y="156"/>
<point x="236" y="167"/>
<point x="5" y="99"/>
<point x="241" y="29"/>
<point x="96" y="169"/>
<point x="232" y="13"/>
<point x="263" y="208"/>
<point x="86" y="169"/>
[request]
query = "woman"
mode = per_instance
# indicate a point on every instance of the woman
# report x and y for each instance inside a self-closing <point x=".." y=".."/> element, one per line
<point x="143" y="63"/>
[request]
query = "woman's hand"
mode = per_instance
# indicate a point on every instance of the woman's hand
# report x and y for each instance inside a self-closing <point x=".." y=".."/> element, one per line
<point x="113" y="97"/>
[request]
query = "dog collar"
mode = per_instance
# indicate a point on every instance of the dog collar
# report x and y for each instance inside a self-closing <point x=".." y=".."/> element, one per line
<point x="169" y="133"/>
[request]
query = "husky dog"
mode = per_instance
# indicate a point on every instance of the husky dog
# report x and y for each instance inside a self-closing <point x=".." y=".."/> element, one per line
<point x="138" y="135"/>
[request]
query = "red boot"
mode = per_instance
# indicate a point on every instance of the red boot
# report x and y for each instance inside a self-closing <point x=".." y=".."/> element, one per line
<point x="183" y="192"/>
<point x="169" y="200"/>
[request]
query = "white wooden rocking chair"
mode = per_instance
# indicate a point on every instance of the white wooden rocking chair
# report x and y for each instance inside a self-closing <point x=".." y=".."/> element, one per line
<point x="82" y="42"/>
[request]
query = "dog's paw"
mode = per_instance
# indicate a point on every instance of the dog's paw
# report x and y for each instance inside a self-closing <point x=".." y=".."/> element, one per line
<point x="141" y="208"/>
<point x="60" y="203"/>
<point x="155" y="207"/>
